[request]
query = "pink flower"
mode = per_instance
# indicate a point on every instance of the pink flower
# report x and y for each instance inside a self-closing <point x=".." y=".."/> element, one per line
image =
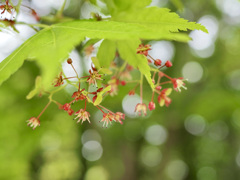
<point x="151" y="106"/>
<point x="119" y="116"/>
<point x="107" y="118"/>
<point x="82" y="115"/>
<point x="141" y="108"/>
<point x="94" y="76"/>
<point x="163" y="98"/>
<point x="33" y="122"/>
<point x="178" y="83"/>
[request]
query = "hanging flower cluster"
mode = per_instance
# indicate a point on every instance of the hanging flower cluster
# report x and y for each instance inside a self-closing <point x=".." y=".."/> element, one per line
<point x="10" y="21"/>
<point x="104" y="86"/>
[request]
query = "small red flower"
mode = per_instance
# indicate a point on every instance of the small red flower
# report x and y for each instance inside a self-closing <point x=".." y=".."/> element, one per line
<point x="168" y="64"/>
<point x="151" y="106"/>
<point x="123" y="83"/>
<point x="107" y="118"/>
<point x="78" y="95"/>
<point x="163" y="98"/>
<point x="143" y="49"/>
<point x="33" y="122"/>
<point x="131" y="93"/>
<point x="82" y="115"/>
<point x="178" y="83"/>
<point x="158" y="62"/>
<point x="94" y="76"/>
<point x="119" y="116"/>
<point x="67" y="107"/>
<point x="141" y="108"/>
<point x="158" y="88"/>
<point x="58" y="81"/>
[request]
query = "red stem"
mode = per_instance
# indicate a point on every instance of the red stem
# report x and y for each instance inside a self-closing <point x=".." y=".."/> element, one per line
<point x="85" y="104"/>
<point x="44" y="109"/>
<point x="100" y="109"/>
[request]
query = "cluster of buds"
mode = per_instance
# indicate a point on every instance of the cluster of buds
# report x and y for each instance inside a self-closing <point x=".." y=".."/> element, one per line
<point x="163" y="94"/>
<point x="122" y="77"/>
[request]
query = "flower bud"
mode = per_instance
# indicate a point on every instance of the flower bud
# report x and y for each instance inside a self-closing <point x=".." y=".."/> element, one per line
<point x="131" y="93"/>
<point x="158" y="88"/>
<point x="69" y="61"/>
<point x="168" y="64"/>
<point x="151" y="106"/>
<point x="157" y="62"/>
<point x="123" y="83"/>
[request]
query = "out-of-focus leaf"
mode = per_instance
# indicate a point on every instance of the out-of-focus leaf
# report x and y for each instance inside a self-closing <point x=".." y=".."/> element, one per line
<point x="127" y="51"/>
<point x="93" y="2"/>
<point x="106" y="53"/>
<point x="116" y="6"/>
<point x="178" y="4"/>
<point x="37" y="89"/>
<point x="90" y="42"/>
<point x="98" y="66"/>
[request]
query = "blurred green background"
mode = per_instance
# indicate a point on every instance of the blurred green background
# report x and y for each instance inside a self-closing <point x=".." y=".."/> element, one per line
<point x="197" y="137"/>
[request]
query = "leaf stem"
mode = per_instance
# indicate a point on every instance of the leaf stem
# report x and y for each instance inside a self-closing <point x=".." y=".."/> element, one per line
<point x="60" y="11"/>
<point x="37" y="25"/>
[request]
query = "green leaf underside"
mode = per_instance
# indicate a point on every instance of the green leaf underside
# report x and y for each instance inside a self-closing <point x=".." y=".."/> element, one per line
<point x="178" y="4"/>
<point x="37" y="88"/>
<point x="52" y="45"/>
<point x="96" y="63"/>
<point x="106" y="53"/>
<point x="127" y="51"/>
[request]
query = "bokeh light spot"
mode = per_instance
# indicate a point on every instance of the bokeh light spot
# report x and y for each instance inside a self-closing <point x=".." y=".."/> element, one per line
<point x="195" y="124"/>
<point x="192" y="71"/>
<point x="92" y="150"/>
<point x="156" y="134"/>
<point x="206" y="173"/>
<point x="151" y="156"/>
<point x="177" y="170"/>
<point x="89" y="135"/>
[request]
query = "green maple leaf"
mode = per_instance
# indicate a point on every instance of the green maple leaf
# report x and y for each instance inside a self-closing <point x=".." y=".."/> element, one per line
<point x="158" y="19"/>
<point x="52" y="45"/>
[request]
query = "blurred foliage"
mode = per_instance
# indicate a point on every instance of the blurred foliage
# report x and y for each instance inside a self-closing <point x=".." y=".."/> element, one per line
<point x="55" y="150"/>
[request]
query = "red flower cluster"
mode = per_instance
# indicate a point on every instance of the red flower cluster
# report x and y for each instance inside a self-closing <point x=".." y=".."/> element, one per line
<point x="143" y="49"/>
<point x="122" y="77"/>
